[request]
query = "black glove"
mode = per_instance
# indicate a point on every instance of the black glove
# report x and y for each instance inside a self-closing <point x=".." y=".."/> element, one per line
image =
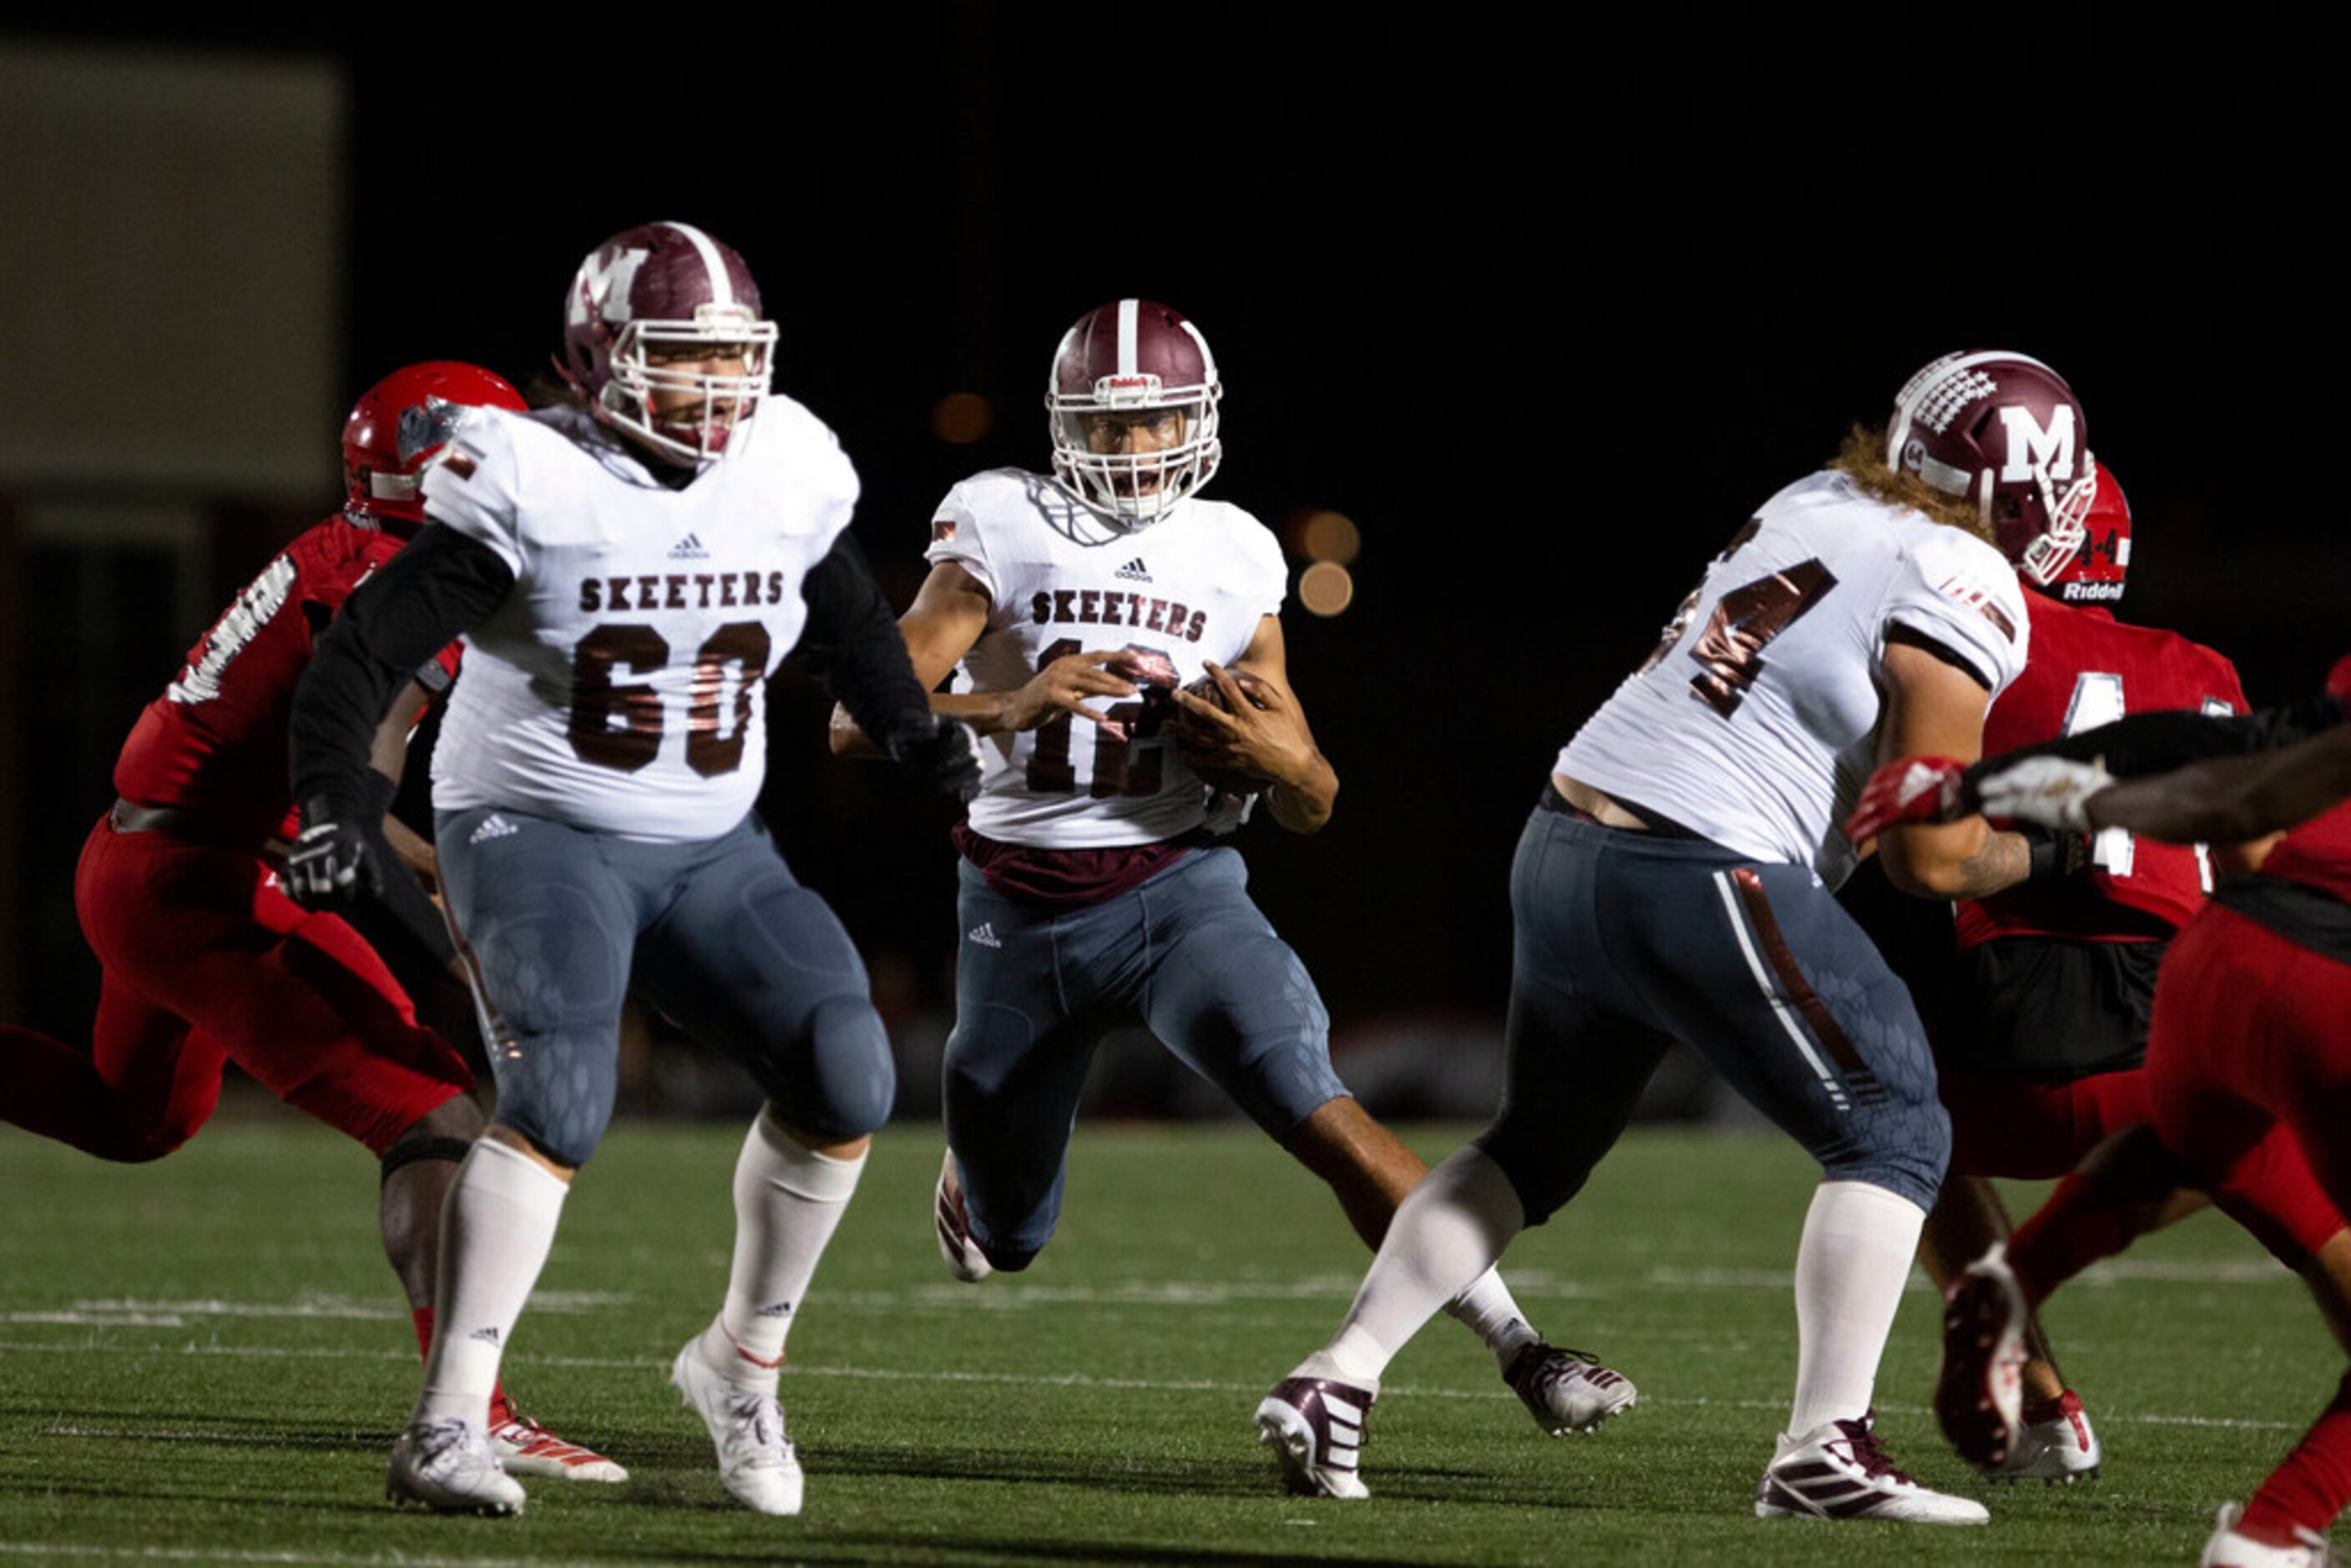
<point x="943" y="750"/>
<point x="337" y="858"/>
<point x="2057" y="852"/>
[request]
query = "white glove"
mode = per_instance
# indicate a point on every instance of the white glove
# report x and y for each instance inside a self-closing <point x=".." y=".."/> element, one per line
<point x="2049" y="791"/>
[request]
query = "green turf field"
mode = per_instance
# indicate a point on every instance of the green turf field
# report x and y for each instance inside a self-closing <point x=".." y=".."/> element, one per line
<point x="204" y="1360"/>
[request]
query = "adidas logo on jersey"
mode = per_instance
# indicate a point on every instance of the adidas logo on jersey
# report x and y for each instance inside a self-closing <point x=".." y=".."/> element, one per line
<point x="984" y="933"/>
<point x="688" y="548"/>
<point x="1134" y="571"/>
<point x="493" y="827"/>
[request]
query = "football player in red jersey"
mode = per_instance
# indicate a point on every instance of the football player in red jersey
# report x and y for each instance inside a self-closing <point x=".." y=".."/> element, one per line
<point x="2248" y="1041"/>
<point x="2039" y="1041"/>
<point x="206" y="959"/>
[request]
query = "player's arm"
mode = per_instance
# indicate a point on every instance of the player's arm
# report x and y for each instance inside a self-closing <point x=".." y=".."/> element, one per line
<point x="2159" y="741"/>
<point x="947" y="618"/>
<point x="1263" y="732"/>
<point x="2231" y="799"/>
<point x="417" y="603"/>
<point x="856" y="648"/>
<point x="1934" y="706"/>
<point x="389" y="755"/>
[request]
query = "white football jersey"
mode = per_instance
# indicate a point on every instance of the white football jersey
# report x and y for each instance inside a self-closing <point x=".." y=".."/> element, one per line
<point x="1193" y="587"/>
<point x="1755" y="723"/>
<point x="622" y="684"/>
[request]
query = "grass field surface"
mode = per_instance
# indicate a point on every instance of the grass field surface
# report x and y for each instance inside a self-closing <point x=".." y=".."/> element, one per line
<point x="205" y="1360"/>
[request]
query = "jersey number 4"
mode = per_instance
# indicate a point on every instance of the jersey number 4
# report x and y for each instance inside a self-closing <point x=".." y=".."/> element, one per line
<point x="1730" y="652"/>
<point x="620" y="724"/>
<point x="2098" y="700"/>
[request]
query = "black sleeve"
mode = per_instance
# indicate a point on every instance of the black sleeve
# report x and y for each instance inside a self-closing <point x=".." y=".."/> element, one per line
<point x="2159" y="742"/>
<point x="395" y="622"/>
<point x="853" y="643"/>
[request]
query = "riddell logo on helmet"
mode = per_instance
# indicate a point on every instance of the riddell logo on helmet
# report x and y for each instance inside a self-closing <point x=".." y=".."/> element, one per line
<point x="2090" y="592"/>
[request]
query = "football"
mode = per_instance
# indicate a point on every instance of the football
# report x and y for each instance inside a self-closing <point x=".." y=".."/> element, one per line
<point x="1229" y="780"/>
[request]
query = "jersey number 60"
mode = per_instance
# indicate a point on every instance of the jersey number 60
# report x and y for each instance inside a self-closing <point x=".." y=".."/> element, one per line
<point x="620" y="726"/>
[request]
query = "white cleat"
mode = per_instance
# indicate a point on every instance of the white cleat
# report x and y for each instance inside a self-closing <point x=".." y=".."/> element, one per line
<point x="755" y="1461"/>
<point x="1566" y="1390"/>
<point x="2056" y="1452"/>
<point x="963" y="1255"/>
<point x="1316" y="1428"/>
<point x="524" y="1448"/>
<point x="448" y="1467"/>
<point x="2227" y="1549"/>
<point x="1839" y="1470"/>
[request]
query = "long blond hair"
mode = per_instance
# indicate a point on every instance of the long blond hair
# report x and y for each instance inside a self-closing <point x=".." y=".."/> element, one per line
<point x="1863" y="459"/>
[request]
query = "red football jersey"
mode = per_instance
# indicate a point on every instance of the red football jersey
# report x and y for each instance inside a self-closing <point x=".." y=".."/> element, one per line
<point x="2087" y="669"/>
<point x="215" y="741"/>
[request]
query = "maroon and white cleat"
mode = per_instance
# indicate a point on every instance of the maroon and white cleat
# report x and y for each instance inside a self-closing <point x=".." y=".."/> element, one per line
<point x="963" y="1255"/>
<point x="1316" y="1428"/>
<point x="1839" y="1470"/>
<point x="1566" y="1390"/>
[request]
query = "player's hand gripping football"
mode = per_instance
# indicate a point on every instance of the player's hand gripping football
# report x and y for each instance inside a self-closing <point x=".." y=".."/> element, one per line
<point x="946" y="753"/>
<point x="1913" y="789"/>
<point x="1064" y="685"/>
<point x="1239" y="728"/>
<point x="332" y="864"/>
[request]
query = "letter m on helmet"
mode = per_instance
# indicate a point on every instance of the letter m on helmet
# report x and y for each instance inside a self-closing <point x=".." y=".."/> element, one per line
<point x="2034" y="449"/>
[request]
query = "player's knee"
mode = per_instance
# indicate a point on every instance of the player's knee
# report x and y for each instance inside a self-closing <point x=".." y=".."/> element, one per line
<point x="851" y="1081"/>
<point x="1529" y="1156"/>
<point x="567" y="1134"/>
<point x="1906" y="1153"/>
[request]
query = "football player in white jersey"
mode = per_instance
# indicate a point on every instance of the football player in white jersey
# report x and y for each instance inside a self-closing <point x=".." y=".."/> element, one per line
<point x="628" y="569"/>
<point x="1088" y="616"/>
<point x="1676" y="883"/>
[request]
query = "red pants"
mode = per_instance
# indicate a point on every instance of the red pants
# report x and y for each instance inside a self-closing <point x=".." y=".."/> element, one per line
<point x="2250" y="1055"/>
<point x="2249" y="1066"/>
<point x="2036" y="1128"/>
<point x="207" y="961"/>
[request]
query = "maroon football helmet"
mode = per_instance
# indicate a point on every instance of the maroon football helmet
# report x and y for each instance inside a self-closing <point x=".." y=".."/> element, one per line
<point x="653" y="294"/>
<point x="2095" y="575"/>
<point x="2004" y="432"/>
<point x="397" y="427"/>
<point x="1132" y="400"/>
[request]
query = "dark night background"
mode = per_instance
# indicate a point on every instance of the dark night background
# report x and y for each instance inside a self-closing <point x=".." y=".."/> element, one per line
<point x="1545" y="306"/>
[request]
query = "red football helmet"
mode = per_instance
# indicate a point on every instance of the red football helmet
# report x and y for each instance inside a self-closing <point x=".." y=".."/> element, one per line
<point x="2095" y="575"/>
<point x="1132" y="400"/>
<point x="399" y="425"/>
<point x="2002" y="431"/>
<point x="658" y="293"/>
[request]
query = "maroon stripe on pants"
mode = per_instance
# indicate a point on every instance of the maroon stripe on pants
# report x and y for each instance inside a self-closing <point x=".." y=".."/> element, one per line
<point x="1798" y="991"/>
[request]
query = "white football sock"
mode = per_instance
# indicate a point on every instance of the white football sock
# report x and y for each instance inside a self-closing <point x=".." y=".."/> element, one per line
<point x="496" y="1225"/>
<point x="1492" y="1314"/>
<point x="1446" y="1233"/>
<point x="1851" y="1266"/>
<point x="788" y="1200"/>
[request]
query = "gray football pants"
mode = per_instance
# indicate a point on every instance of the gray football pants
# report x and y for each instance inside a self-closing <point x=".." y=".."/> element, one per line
<point x="557" y="921"/>
<point x="1187" y="954"/>
<point x="1626" y="941"/>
